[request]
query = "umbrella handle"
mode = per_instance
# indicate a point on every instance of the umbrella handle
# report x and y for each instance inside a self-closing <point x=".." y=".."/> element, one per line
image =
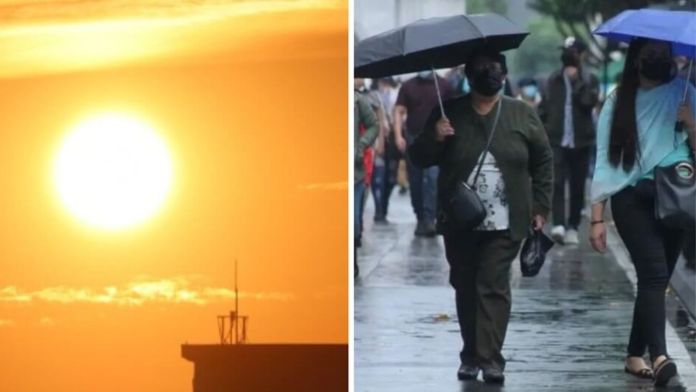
<point x="439" y="95"/>
<point x="679" y="125"/>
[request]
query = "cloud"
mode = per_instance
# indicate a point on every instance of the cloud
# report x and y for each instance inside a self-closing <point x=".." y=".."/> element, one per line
<point x="42" y="37"/>
<point x="178" y="290"/>
<point x="61" y="11"/>
<point x="325" y="186"/>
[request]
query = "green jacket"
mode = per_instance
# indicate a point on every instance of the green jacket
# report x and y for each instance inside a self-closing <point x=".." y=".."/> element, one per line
<point x="366" y="117"/>
<point x="520" y="147"/>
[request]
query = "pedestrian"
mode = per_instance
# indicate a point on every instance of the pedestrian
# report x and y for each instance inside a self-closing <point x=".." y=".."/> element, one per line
<point x="364" y="134"/>
<point x="635" y="134"/>
<point x="572" y="93"/>
<point x="387" y="155"/>
<point x="515" y="185"/>
<point x="416" y="99"/>
<point x="529" y="92"/>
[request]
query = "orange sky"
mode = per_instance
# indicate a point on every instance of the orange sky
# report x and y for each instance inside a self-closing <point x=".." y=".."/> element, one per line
<point x="250" y="96"/>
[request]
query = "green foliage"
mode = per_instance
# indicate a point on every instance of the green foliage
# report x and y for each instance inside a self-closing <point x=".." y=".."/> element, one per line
<point x="539" y="53"/>
<point x="578" y="17"/>
<point x="486" y="6"/>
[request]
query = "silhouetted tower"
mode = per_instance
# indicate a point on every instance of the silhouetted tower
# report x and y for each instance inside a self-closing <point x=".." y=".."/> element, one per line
<point x="231" y="335"/>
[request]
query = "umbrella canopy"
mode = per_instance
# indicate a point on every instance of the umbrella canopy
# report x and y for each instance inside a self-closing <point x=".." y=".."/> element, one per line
<point x="433" y="43"/>
<point x="677" y="27"/>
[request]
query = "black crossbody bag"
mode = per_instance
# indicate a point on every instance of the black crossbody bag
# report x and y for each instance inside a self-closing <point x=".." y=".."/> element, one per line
<point x="463" y="207"/>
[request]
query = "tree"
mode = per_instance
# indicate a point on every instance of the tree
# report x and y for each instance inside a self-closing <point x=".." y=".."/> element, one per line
<point x="538" y="55"/>
<point x="486" y="6"/>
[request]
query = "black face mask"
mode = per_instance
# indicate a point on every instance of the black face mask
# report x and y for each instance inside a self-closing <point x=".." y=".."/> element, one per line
<point x="659" y="69"/>
<point x="486" y="82"/>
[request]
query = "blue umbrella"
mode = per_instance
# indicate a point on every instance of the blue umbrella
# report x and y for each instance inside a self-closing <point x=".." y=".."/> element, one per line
<point x="677" y="27"/>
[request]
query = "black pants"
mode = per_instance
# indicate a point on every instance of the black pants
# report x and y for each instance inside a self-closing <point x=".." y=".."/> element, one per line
<point x="654" y="250"/>
<point x="480" y="274"/>
<point x="569" y="165"/>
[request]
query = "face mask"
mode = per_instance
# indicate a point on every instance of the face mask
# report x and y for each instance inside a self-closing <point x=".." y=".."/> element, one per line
<point x="425" y="74"/>
<point x="530" y="91"/>
<point x="487" y="82"/>
<point x="656" y="68"/>
<point x="465" y="86"/>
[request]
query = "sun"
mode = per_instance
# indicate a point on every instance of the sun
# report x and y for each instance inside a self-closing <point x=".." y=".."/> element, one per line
<point x="113" y="171"/>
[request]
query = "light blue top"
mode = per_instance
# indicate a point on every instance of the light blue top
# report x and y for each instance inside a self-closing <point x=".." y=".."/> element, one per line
<point x="656" y="114"/>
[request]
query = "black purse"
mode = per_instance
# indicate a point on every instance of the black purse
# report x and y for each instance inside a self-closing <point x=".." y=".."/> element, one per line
<point x="675" y="195"/>
<point x="463" y="208"/>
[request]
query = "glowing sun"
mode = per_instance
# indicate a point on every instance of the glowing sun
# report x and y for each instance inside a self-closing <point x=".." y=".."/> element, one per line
<point x="113" y="171"/>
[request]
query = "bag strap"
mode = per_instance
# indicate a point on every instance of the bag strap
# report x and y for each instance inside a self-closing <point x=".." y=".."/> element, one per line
<point x="488" y="143"/>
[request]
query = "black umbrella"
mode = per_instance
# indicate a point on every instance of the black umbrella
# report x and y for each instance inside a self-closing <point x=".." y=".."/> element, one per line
<point x="432" y="43"/>
<point x="441" y="42"/>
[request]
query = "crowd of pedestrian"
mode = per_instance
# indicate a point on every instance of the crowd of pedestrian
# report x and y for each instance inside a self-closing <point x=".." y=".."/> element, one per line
<point x="543" y="142"/>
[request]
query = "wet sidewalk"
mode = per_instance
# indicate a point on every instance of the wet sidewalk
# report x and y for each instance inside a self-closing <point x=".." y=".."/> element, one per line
<point x="568" y="329"/>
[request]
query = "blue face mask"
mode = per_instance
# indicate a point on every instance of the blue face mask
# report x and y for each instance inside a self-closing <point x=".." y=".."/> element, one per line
<point x="425" y="74"/>
<point x="530" y="91"/>
<point x="465" y="86"/>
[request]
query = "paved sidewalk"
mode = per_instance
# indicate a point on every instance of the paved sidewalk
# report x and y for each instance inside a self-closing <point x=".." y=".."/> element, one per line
<point x="568" y="330"/>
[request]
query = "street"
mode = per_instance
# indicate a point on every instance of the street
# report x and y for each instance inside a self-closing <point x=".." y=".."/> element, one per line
<point x="568" y="330"/>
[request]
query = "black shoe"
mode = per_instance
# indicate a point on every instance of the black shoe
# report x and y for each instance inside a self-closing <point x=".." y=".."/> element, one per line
<point x="420" y="229"/>
<point x="493" y="376"/>
<point x="664" y="372"/>
<point x="467" y="372"/>
<point x="430" y="230"/>
<point x="381" y="220"/>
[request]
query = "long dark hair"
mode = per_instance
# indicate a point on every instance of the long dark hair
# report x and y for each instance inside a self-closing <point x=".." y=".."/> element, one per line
<point x="623" y="139"/>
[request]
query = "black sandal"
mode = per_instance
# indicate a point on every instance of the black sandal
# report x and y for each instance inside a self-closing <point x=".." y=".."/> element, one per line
<point x="645" y="372"/>
<point x="664" y="372"/>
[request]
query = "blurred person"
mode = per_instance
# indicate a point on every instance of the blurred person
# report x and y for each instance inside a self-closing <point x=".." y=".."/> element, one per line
<point x="529" y="92"/>
<point x="402" y="176"/>
<point x="364" y="134"/>
<point x="515" y="186"/>
<point x="387" y="155"/>
<point x="572" y="93"/>
<point x="636" y="134"/>
<point x="416" y="99"/>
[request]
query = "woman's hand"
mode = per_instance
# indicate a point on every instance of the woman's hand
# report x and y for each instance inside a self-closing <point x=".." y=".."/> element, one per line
<point x="443" y="129"/>
<point x="598" y="237"/>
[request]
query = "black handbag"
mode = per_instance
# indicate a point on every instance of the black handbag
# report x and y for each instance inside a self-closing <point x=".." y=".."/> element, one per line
<point x="534" y="252"/>
<point x="675" y="195"/>
<point x="463" y="208"/>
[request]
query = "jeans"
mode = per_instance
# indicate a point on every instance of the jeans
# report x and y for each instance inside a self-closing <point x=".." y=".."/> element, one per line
<point x="569" y="165"/>
<point x="383" y="182"/>
<point x="654" y="250"/>
<point x="423" y="188"/>
<point x="359" y="198"/>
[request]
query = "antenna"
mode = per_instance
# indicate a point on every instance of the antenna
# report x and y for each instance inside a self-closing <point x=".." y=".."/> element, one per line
<point x="236" y="305"/>
<point x="231" y="335"/>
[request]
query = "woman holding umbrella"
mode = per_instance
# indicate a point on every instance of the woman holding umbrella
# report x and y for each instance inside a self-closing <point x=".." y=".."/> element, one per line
<point x="514" y="183"/>
<point x="635" y="134"/>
